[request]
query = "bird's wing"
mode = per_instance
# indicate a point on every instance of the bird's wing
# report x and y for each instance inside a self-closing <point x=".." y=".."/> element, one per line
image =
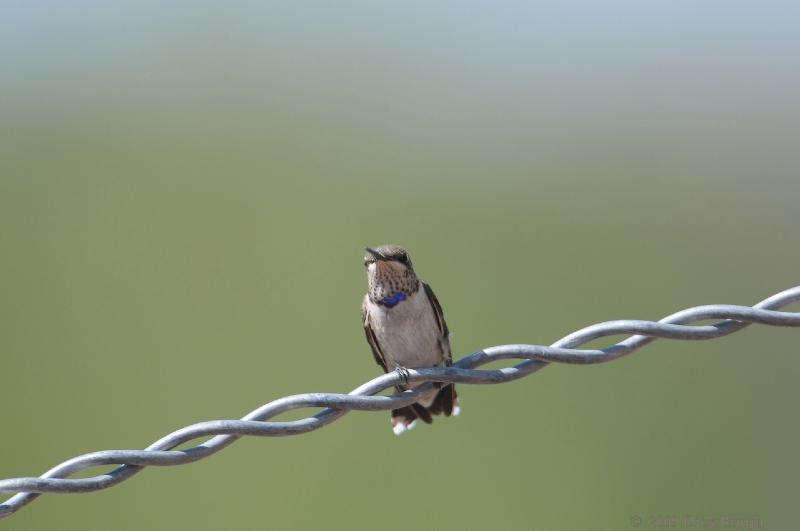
<point x="437" y="311"/>
<point x="370" y="333"/>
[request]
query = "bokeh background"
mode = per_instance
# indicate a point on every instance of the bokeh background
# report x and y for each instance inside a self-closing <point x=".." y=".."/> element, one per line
<point x="186" y="190"/>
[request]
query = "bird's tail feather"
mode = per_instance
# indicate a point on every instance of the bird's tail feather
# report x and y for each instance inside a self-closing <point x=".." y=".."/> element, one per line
<point x="445" y="403"/>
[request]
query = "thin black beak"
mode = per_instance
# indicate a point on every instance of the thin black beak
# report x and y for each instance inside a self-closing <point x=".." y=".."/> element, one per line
<point x="375" y="253"/>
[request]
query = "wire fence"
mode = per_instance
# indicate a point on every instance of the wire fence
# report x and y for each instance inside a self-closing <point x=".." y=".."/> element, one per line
<point x="255" y="423"/>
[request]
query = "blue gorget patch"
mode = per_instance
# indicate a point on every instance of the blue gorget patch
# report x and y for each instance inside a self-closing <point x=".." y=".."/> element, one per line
<point x="394" y="299"/>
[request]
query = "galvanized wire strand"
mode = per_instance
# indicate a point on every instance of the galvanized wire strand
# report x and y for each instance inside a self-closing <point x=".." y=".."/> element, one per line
<point x="255" y="423"/>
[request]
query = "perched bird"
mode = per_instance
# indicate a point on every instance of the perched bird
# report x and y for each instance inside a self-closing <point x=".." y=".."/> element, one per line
<point x="405" y="327"/>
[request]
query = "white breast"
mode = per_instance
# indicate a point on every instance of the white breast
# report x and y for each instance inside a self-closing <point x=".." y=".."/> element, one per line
<point x="408" y="333"/>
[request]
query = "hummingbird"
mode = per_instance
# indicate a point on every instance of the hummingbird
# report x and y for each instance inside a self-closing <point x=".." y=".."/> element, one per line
<point x="405" y="328"/>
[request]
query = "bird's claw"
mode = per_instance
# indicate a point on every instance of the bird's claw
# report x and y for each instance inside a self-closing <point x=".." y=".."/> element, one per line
<point x="403" y="373"/>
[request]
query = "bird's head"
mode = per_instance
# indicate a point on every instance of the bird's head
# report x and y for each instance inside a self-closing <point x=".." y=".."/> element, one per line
<point x="391" y="274"/>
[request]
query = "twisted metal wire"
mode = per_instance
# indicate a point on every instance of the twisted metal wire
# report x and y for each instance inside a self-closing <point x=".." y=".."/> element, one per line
<point x="225" y="432"/>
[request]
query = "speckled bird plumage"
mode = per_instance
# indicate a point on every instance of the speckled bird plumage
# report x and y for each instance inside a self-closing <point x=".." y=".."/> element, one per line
<point x="405" y="328"/>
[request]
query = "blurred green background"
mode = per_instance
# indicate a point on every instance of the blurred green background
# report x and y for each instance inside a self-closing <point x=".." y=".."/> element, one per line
<point x="186" y="190"/>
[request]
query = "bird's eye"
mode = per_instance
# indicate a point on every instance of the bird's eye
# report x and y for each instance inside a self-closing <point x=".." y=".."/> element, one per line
<point x="404" y="259"/>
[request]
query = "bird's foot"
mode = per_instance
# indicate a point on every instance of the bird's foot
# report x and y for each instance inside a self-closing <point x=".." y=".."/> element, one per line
<point x="403" y="373"/>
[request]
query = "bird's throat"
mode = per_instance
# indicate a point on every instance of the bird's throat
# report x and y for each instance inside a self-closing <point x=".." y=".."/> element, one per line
<point x="394" y="300"/>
